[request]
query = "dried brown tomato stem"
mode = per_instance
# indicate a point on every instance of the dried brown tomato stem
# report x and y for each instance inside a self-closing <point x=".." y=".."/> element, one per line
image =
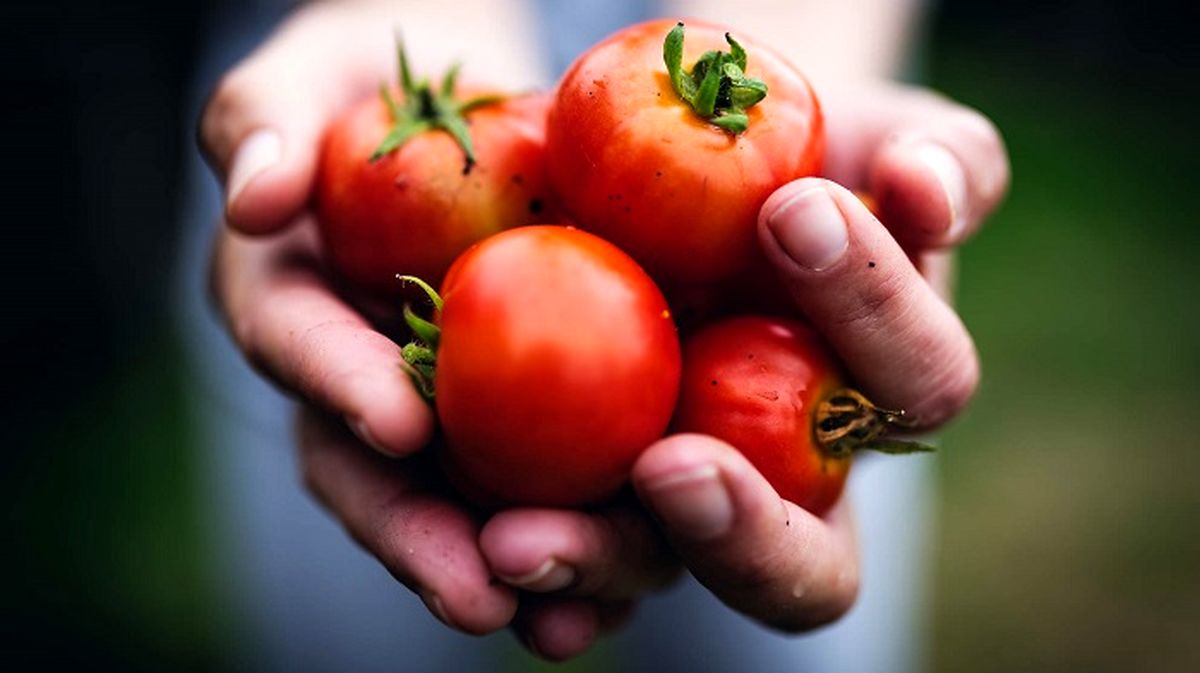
<point x="846" y="421"/>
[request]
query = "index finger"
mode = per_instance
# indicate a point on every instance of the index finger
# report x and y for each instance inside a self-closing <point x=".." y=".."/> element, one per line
<point x="287" y="320"/>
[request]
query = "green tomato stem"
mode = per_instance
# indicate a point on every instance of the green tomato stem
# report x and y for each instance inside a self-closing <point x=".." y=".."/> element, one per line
<point x="419" y="358"/>
<point x="716" y="86"/>
<point x="424" y="109"/>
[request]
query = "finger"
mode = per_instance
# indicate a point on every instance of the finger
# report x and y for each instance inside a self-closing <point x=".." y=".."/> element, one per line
<point x="935" y="168"/>
<point x="904" y="346"/>
<point x="425" y="540"/>
<point x="616" y="553"/>
<point x="290" y="324"/>
<point x="262" y="126"/>
<point x="558" y="629"/>
<point x="761" y="555"/>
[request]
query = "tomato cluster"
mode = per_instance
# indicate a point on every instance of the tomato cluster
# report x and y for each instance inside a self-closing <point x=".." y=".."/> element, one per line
<point x="554" y="358"/>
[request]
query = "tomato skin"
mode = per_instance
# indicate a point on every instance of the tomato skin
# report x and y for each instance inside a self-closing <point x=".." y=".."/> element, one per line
<point x="755" y="382"/>
<point x="632" y="162"/>
<point x="558" y="364"/>
<point x="414" y="211"/>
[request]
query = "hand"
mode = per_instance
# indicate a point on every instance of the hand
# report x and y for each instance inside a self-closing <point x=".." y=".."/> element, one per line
<point x="937" y="169"/>
<point x="261" y="133"/>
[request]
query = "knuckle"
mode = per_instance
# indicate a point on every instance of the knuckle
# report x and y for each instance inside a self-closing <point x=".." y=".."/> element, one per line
<point x="981" y="134"/>
<point x="976" y="126"/>
<point x="228" y="103"/>
<point x="878" y="305"/>
<point x="216" y="112"/>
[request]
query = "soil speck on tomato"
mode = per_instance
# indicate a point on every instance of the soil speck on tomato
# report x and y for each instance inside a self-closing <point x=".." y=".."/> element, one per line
<point x="871" y="264"/>
<point x="535" y="206"/>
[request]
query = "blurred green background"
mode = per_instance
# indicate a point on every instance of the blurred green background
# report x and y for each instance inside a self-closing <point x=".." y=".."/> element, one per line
<point x="1070" y="490"/>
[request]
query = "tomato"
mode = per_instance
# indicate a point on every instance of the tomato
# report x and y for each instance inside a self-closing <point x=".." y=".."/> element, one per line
<point x="414" y="209"/>
<point x="771" y="388"/>
<point x="557" y="364"/>
<point x="632" y="161"/>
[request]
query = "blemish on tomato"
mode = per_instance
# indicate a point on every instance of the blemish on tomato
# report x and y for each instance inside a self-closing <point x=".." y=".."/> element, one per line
<point x="769" y="395"/>
<point x="871" y="264"/>
<point x="535" y="206"/>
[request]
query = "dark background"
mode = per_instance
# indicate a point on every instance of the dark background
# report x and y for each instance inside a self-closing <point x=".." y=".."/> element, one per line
<point x="1070" y="491"/>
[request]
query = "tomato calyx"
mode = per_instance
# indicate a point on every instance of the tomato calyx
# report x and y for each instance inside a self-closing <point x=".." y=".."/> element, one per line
<point x="419" y="356"/>
<point x="716" y="86"/>
<point x="846" y="421"/>
<point x="424" y="109"/>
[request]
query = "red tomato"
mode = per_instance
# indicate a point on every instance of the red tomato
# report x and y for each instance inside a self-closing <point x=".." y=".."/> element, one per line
<point x="558" y="364"/>
<point x="771" y="388"/>
<point x="634" y="163"/>
<point x="415" y="209"/>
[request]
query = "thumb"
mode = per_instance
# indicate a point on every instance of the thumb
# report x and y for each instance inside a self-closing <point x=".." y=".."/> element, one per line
<point x="903" y="344"/>
<point x="760" y="554"/>
<point x="261" y="127"/>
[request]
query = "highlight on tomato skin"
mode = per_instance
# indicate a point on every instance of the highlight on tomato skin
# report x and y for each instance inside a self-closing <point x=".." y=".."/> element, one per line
<point x="635" y="162"/>
<point x="558" y="363"/>
<point x="755" y="383"/>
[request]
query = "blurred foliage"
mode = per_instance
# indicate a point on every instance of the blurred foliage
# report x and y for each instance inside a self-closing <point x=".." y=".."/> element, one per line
<point x="1072" y="487"/>
<point x="111" y="572"/>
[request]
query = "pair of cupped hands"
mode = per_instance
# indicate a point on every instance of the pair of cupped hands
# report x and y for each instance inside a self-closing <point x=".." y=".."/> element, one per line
<point x="560" y="577"/>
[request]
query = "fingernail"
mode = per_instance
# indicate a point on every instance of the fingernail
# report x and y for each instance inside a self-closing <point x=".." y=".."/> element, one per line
<point x="811" y="229"/>
<point x="693" y="503"/>
<point x="258" y="152"/>
<point x="359" y="427"/>
<point x="435" y="605"/>
<point x="949" y="172"/>
<point x="550" y="576"/>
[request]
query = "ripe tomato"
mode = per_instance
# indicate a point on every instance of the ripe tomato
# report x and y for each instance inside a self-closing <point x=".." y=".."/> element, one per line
<point x="771" y="388"/>
<point x="557" y="364"/>
<point x="632" y="161"/>
<point x="417" y="207"/>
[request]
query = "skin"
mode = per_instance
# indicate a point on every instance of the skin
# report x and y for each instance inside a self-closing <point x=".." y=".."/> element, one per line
<point x="635" y="164"/>
<point x="284" y="314"/>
